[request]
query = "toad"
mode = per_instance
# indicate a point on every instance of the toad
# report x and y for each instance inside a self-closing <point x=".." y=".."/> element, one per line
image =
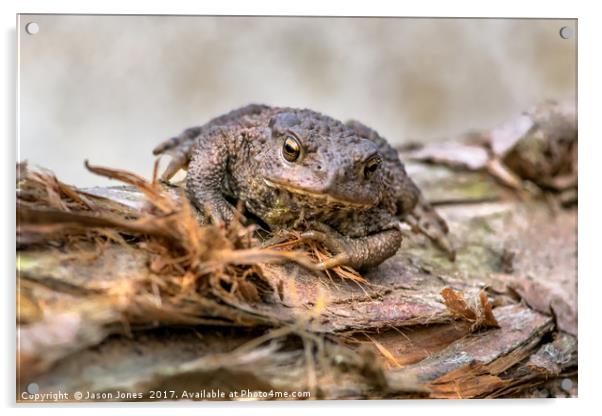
<point x="341" y="184"/>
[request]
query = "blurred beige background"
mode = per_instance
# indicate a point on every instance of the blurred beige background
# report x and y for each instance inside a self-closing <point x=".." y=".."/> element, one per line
<point x="109" y="88"/>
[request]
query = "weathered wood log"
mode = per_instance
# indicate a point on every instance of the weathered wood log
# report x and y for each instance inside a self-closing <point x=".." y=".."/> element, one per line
<point x="113" y="296"/>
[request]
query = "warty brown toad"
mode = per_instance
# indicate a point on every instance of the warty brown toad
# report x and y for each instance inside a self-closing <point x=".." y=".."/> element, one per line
<point x="341" y="184"/>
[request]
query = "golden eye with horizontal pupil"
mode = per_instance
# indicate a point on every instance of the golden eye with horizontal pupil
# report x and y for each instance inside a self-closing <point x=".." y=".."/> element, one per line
<point x="291" y="149"/>
<point x="371" y="166"/>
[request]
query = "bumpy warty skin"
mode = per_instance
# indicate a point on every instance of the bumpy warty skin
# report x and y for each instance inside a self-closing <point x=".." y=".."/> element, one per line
<point x="239" y="156"/>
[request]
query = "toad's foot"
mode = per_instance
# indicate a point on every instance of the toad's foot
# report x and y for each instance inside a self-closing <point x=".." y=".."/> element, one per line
<point x="358" y="253"/>
<point x="216" y="210"/>
<point x="177" y="162"/>
<point x="179" y="149"/>
<point x="425" y="220"/>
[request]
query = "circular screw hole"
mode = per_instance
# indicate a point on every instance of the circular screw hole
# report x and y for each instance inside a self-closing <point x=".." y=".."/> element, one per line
<point x="566" y="32"/>
<point x="566" y="384"/>
<point x="32" y="28"/>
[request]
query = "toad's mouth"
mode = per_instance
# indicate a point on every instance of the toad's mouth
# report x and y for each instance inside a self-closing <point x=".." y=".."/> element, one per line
<point x="321" y="197"/>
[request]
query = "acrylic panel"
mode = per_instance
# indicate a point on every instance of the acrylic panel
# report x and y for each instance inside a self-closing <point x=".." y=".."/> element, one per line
<point x="295" y="208"/>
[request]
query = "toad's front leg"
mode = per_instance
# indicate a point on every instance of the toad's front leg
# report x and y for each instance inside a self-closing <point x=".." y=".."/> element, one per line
<point x="359" y="253"/>
<point x="206" y="173"/>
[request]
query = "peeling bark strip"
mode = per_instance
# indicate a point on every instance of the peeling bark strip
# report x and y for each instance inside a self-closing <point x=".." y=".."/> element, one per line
<point x="472" y="366"/>
<point x="479" y="313"/>
<point x="121" y="289"/>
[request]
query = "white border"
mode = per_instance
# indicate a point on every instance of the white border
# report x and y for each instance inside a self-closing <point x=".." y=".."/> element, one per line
<point x="590" y="156"/>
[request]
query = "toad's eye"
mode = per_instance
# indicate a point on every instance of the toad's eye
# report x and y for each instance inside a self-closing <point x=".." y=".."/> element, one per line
<point x="372" y="165"/>
<point x="291" y="149"/>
